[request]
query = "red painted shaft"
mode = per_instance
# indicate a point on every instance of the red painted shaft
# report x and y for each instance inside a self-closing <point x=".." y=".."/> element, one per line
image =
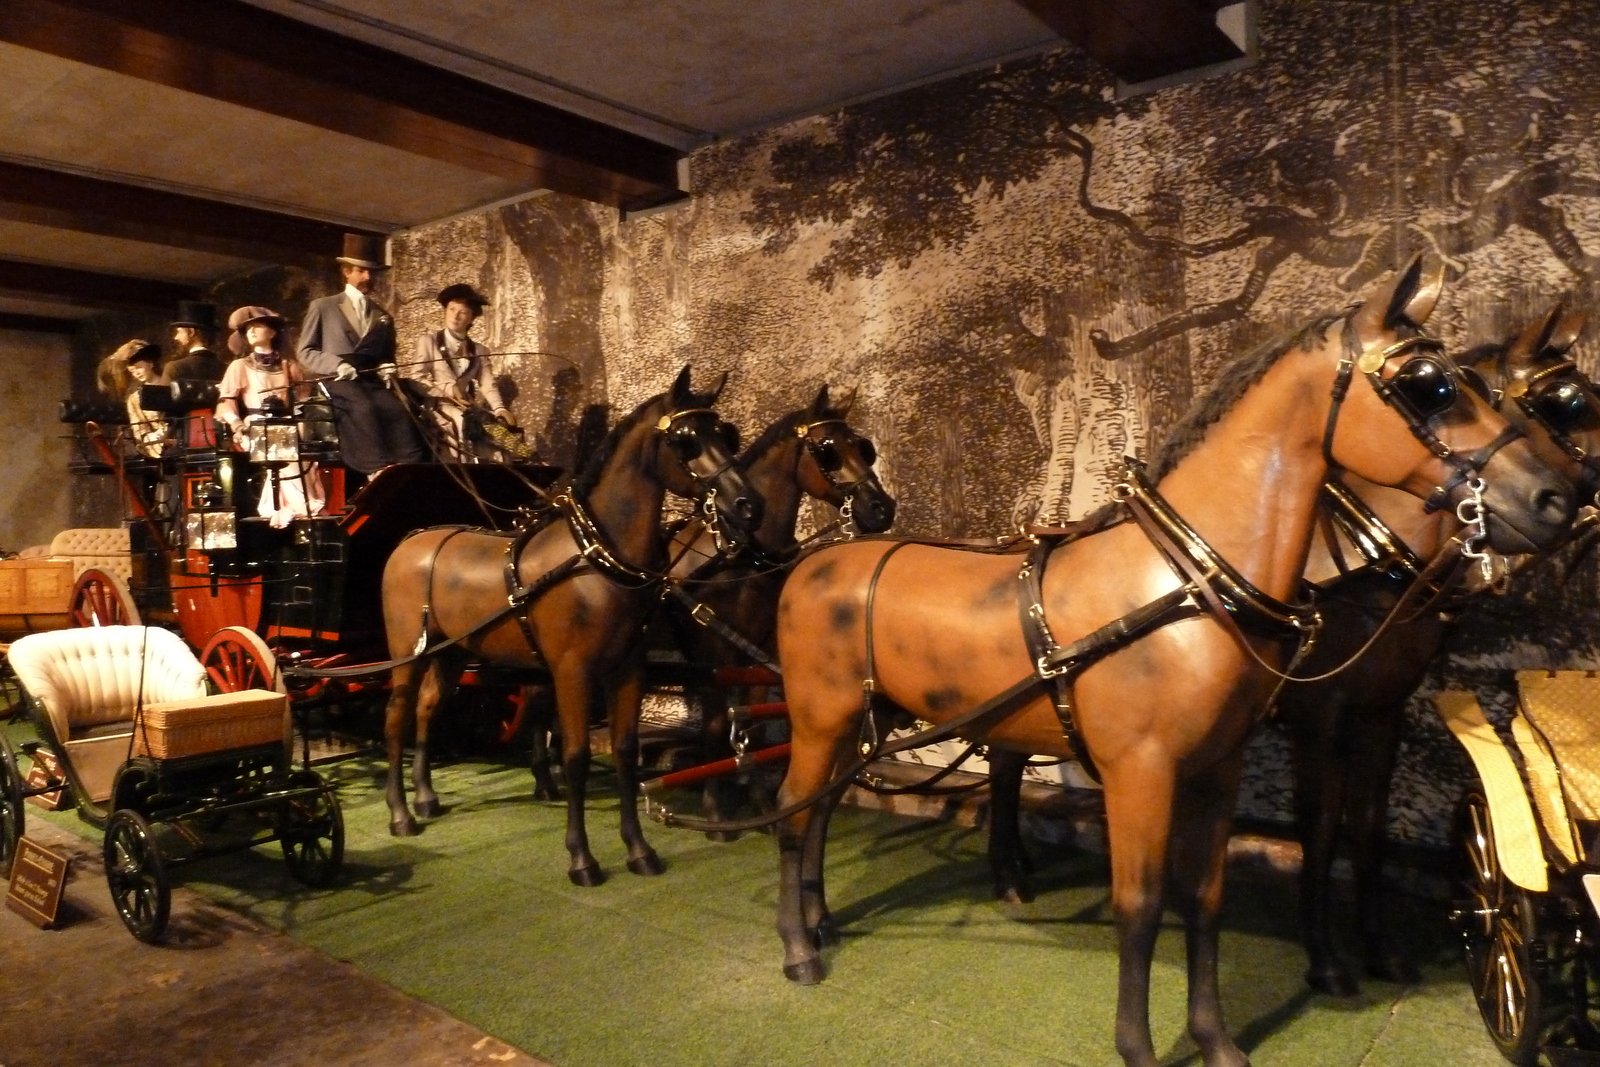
<point x="692" y="775"/>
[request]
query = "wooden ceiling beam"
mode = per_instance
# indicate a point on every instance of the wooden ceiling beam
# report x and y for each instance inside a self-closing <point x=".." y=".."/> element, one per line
<point x="1140" y="40"/>
<point x="116" y="209"/>
<point x="87" y="288"/>
<point x="12" y="320"/>
<point x="230" y="51"/>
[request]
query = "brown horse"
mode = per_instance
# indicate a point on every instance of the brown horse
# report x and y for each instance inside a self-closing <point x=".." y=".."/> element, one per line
<point x="584" y="582"/>
<point x="934" y="631"/>
<point x="810" y="452"/>
<point x="1345" y="730"/>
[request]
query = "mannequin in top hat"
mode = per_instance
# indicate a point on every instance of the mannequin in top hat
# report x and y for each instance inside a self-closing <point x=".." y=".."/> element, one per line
<point x="265" y="382"/>
<point x="350" y="338"/>
<point x="455" y="370"/>
<point x="192" y="332"/>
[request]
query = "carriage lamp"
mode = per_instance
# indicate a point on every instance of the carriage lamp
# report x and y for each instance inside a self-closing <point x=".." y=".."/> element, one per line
<point x="210" y="531"/>
<point x="275" y="442"/>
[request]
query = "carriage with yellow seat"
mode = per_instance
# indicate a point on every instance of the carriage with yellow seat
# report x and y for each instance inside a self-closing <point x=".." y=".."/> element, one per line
<point x="171" y="772"/>
<point x="1529" y="907"/>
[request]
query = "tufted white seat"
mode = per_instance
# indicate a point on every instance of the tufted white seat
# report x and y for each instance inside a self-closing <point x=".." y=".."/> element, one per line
<point x="90" y="681"/>
<point x="105" y="548"/>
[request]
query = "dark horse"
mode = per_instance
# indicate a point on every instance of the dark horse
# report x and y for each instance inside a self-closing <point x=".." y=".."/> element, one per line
<point x="810" y="452"/>
<point x="582" y="585"/>
<point x="1345" y="730"/>
<point x="1158" y="685"/>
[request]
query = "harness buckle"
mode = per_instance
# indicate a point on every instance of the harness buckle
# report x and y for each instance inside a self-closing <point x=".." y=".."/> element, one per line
<point x="1042" y="668"/>
<point x="702" y="613"/>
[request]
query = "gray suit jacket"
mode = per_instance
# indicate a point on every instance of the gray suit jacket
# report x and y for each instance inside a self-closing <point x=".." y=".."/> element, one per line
<point x="431" y="366"/>
<point x="333" y="334"/>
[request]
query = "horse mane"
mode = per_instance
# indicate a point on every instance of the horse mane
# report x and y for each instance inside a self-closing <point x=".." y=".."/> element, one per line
<point x="1235" y="380"/>
<point x="584" y="481"/>
<point x="778" y="431"/>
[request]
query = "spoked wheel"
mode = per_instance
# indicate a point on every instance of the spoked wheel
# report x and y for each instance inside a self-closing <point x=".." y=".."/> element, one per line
<point x="12" y="813"/>
<point x="101" y="599"/>
<point x="237" y="659"/>
<point x="312" y="832"/>
<point x="1499" y="931"/>
<point x="138" y="879"/>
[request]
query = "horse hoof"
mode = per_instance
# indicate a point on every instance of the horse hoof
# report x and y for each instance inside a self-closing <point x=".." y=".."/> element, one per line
<point x="405" y="827"/>
<point x="586" y="877"/>
<point x="428" y="809"/>
<point x="649" y="863"/>
<point x="1013" y="894"/>
<point x="807" y="972"/>
<point x="826" y="933"/>
<point x="1394" y="967"/>
<point x="546" y="792"/>
<point x="1333" y="980"/>
<point x="723" y="836"/>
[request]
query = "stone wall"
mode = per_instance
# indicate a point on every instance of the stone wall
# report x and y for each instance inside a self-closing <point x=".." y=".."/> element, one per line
<point x="35" y="498"/>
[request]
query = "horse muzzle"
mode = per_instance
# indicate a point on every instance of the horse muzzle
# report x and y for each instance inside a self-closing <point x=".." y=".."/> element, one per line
<point x="872" y="510"/>
<point x="1521" y="518"/>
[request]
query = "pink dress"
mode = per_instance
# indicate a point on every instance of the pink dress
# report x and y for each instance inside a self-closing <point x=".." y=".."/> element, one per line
<point x="293" y="491"/>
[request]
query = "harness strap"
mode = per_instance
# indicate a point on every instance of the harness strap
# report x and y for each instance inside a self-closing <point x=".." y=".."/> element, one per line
<point x="1467" y="467"/>
<point x="870" y="742"/>
<point x="705" y="616"/>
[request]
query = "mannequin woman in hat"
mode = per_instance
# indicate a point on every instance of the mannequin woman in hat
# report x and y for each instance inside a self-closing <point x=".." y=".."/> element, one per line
<point x="455" y="371"/>
<point x="121" y="375"/>
<point x="266" y="380"/>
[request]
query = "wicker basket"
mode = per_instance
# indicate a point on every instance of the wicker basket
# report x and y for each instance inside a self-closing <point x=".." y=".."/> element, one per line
<point x="211" y="724"/>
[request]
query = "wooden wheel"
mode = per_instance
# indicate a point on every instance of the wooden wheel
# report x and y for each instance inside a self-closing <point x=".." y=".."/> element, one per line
<point x="237" y="659"/>
<point x="136" y="875"/>
<point x="12" y="813"/>
<point x="1499" y="927"/>
<point x="101" y="599"/>
<point x="312" y="832"/>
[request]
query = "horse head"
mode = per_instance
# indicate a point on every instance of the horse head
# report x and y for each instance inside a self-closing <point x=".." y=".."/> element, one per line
<point x="1405" y="415"/>
<point x="695" y="458"/>
<point x="1554" y="401"/>
<point x="837" y="465"/>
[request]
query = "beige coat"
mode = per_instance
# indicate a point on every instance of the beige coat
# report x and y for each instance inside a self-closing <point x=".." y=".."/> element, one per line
<point x="431" y="366"/>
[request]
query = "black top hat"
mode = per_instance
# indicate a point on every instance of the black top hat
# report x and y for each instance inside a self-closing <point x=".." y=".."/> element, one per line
<point x="361" y="250"/>
<point x="197" y="314"/>
<point x="466" y="294"/>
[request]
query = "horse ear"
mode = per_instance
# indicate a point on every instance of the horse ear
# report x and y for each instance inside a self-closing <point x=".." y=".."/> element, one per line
<point x="681" y="384"/>
<point x="1531" y="344"/>
<point x="1407" y="300"/>
<point x="716" y="390"/>
<point x="842" y="406"/>
<point x="1567" y="331"/>
<point x="819" y="403"/>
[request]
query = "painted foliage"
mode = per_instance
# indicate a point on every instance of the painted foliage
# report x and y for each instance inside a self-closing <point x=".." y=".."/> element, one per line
<point x="1026" y="278"/>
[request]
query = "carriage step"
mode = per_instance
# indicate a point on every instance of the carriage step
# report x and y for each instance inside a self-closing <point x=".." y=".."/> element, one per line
<point x="691" y="775"/>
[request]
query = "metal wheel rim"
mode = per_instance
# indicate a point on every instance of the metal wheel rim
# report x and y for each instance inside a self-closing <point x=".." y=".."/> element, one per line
<point x="313" y="838"/>
<point x="1497" y="952"/>
<point x="136" y="877"/>
<point x="12" y="813"/>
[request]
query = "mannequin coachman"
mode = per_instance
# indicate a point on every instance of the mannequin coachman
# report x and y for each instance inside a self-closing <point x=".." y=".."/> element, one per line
<point x="192" y="332"/>
<point x="350" y="338"/>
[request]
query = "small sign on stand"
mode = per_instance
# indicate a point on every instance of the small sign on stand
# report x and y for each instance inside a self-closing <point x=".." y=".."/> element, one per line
<point x="38" y="876"/>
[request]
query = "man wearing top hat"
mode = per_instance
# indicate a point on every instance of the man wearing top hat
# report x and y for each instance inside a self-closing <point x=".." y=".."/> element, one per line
<point x="350" y="338"/>
<point x="192" y="332"/>
<point x="455" y="371"/>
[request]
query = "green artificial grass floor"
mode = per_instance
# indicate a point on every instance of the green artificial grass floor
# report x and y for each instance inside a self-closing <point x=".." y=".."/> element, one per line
<point x="477" y="916"/>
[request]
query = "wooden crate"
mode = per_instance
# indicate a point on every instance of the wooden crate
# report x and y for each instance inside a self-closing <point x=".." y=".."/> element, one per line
<point x="34" y="594"/>
<point x="211" y="724"/>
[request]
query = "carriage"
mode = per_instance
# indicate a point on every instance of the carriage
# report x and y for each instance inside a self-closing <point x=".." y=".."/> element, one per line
<point x="1528" y="907"/>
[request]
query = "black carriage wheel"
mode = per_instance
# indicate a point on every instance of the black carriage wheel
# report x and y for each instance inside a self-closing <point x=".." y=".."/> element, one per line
<point x="138" y="879"/>
<point x="1499" y="927"/>
<point x="312" y="833"/>
<point x="12" y="814"/>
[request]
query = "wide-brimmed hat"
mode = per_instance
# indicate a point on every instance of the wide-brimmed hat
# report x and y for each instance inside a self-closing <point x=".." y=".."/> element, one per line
<point x="361" y="250"/>
<point x="241" y="319"/>
<point x="136" y="350"/>
<point x="196" y="314"/>
<point x="466" y="294"/>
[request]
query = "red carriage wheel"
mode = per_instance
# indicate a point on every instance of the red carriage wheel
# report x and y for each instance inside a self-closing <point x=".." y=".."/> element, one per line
<point x="101" y="599"/>
<point x="236" y="659"/>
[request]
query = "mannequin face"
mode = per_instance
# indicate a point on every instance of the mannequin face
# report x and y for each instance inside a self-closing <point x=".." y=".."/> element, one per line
<point x="142" y="371"/>
<point x="360" y="278"/>
<point x="459" y="317"/>
<point x="259" y="334"/>
<point x="185" y="337"/>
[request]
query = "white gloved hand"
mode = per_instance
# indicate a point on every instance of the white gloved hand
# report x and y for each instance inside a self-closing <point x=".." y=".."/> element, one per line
<point x="387" y="372"/>
<point x="345" y="373"/>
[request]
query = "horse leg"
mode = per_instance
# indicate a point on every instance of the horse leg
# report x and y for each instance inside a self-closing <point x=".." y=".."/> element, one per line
<point x="811" y="764"/>
<point x="1316" y="730"/>
<point x="401" y="706"/>
<point x="1138" y="821"/>
<point x="813" y="888"/>
<point x="539" y="714"/>
<point x="1371" y="769"/>
<point x="1008" y="858"/>
<point x="438" y="682"/>
<point x="574" y="694"/>
<point x="1202" y="819"/>
<point x="719" y="797"/>
<point x="625" y="696"/>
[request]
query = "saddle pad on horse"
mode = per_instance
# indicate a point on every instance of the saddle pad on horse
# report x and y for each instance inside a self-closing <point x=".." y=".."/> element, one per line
<point x="1564" y="706"/>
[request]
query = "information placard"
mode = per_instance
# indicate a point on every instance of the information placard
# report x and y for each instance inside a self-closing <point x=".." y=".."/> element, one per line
<point x="38" y="876"/>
